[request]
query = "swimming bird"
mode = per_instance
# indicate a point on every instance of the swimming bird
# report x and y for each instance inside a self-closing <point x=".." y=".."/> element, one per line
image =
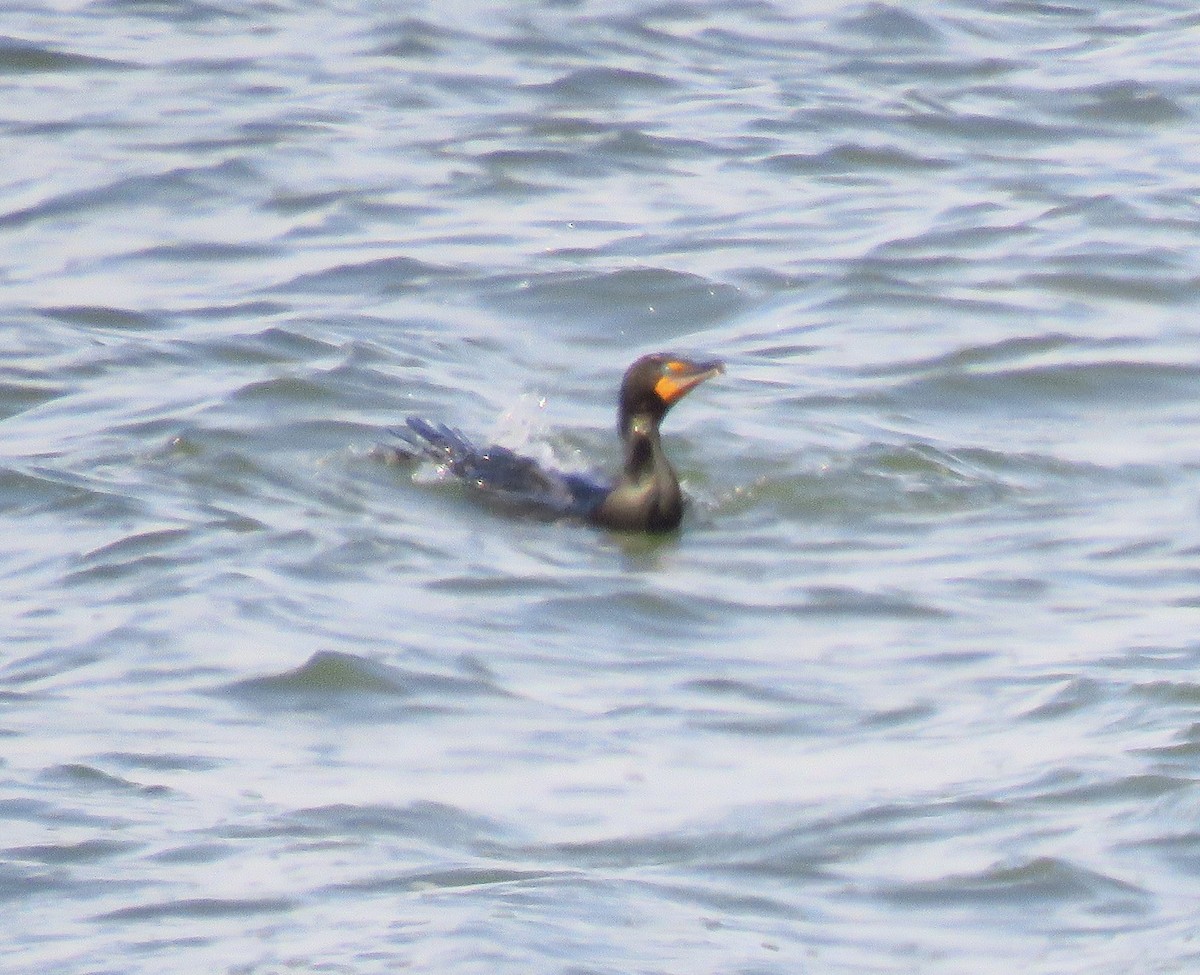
<point x="646" y="497"/>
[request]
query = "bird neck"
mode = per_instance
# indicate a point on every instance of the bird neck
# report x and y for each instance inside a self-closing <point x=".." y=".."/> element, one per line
<point x="644" y="457"/>
<point x="647" y="495"/>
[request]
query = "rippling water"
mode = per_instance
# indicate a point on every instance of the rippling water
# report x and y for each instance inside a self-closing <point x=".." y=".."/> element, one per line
<point x="916" y="688"/>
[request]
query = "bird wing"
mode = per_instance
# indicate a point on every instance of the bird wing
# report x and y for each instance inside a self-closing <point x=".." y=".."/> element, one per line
<point x="509" y="477"/>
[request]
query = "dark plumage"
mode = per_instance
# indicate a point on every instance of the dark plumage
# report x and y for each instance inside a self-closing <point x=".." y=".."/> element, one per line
<point x="645" y="498"/>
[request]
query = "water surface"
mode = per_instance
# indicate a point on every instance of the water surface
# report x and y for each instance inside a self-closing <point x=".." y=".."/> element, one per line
<point x="914" y="690"/>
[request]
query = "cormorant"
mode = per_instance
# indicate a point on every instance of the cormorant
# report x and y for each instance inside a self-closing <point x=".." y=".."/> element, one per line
<point x="645" y="498"/>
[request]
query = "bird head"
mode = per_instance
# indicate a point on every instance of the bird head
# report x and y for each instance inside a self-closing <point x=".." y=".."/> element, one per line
<point x="655" y="383"/>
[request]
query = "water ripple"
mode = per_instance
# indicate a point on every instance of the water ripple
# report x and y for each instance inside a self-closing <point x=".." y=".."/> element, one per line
<point x="918" y="659"/>
<point x="343" y="682"/>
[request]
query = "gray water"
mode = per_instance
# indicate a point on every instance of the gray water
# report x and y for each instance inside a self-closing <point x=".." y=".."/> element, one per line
<point x="915" y="689"/>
